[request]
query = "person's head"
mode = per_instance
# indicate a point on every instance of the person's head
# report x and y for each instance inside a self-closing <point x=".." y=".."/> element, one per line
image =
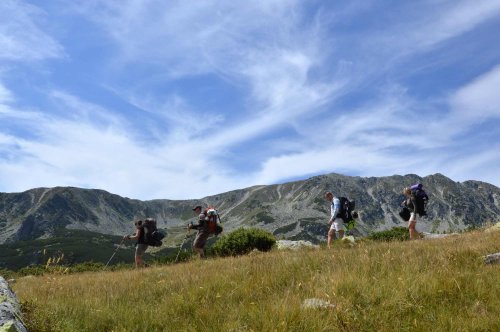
<point x="138" y="223"/>
<point x="197" y="209"/>
<point x="407" y="192"/>
<point x="328" y="196"/>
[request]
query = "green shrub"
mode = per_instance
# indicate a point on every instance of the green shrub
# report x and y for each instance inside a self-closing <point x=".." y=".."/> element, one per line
<point x="393" y="234"/>
<point x="34" y="270"/>
<point x="242" y="241"/>
<point x="7" y="274"/>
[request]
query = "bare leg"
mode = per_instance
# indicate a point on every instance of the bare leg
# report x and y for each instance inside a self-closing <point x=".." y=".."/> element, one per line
<point x="138" y="261"/>
<point x="413" y="231"/>
<point x="341" y="234"/>
<point x="331" y="236"/>
<point x="200" y="252"/>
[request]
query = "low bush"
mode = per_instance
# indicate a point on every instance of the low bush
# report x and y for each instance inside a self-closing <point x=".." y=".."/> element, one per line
<point x="393" y="234"/>
<point x="7" y="274"/>
<point x="242" y="241"/>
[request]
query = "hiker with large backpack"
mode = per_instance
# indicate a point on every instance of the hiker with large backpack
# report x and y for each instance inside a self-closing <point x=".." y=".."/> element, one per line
<point x="146" y="234"/>
<point x="341" y="211"/>
<point x="140" y="246"/>
<point x="410" y="207"/>
<point x="208" y="224"/>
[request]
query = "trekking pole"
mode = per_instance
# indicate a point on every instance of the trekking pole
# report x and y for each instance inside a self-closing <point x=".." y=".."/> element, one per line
<point x="180" y="248"/>
<point x="114" y="253"/>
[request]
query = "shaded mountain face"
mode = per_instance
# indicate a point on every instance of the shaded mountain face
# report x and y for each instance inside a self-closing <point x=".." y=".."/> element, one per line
<point x="294" y="210"/>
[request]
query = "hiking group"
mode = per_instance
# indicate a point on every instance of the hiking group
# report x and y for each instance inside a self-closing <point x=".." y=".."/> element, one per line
<point x="341" y="221"/>
<point x="342" y="214"/>
<point x="147" y="234"/>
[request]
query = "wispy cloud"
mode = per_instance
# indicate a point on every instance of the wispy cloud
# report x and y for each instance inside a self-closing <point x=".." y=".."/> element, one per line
<point x="455" y="18"/>
<point x="5" y="95"/>
<point x="21" y="38"/>
<point x="212" y="96"/>
<point x="479" y="99"/>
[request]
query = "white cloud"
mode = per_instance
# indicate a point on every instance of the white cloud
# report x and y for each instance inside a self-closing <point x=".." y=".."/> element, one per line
<point x="479" y="99"/>
<point x="265" y="45"/>
<point x="395" y="136"/>
<point x="457" y="18"/>
<point x="422" y="26"/>
<point x="74" y="149"/>
<point x="482" y="165"/>
<point x="5" y="95"/>
<point x="290" y="76"/>
<point x="21" y="37"/>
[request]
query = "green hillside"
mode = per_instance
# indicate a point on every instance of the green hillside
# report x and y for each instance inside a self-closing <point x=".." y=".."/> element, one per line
<point x="427" y="285"/>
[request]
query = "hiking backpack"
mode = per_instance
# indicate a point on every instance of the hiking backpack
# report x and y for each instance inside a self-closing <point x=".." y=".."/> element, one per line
<point x="212" y="218"/>
<point x="421" y="198"/>
<point x="346" y="209"/>
<point x="405" y="214"/>
<point x="152" y="235"/>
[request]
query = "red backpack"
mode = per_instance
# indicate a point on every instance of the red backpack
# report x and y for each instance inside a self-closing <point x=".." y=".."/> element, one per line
<point x="212" y="218"/>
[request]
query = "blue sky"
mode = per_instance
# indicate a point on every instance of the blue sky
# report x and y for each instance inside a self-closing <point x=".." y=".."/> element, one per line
<point x="183" y="99"/>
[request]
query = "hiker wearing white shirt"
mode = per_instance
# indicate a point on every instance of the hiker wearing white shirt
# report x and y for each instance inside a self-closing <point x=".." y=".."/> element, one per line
<point x="336" y="223"/>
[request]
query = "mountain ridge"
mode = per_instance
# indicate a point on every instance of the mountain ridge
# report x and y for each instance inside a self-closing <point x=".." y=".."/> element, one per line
<point x="293" y="210"/>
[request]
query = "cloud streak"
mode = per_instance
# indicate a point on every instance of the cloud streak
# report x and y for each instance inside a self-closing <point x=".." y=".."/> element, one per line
<point x="200" y="98"/>
<point x="21" y="38"/>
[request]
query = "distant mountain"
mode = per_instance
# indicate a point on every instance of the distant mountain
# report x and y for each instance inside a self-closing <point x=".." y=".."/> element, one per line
<point x="294" y="210"/>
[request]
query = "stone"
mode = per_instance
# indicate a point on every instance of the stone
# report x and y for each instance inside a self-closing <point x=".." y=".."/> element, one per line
<point x="492" y="259"/>
<point x="9" y="310"/>
<point x="294" y="245"/>
<point x="315" y="303"/>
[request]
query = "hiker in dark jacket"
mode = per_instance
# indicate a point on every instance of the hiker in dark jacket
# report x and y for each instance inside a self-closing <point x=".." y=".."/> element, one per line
<point x="140" y="246"/>
<point x="411" y="203"/>
<point x="203" y="233"/>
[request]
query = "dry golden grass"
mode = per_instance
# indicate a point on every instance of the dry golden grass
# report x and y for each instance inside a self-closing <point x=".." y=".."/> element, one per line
<point x="428" y="285"/>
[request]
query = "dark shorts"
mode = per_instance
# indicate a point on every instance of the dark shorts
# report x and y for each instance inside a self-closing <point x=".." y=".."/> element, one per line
<point x="201" y="239"/>
<point x="140" y="249"/>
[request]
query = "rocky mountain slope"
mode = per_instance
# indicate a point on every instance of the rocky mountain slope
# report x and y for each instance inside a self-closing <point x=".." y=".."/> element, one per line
<point x="294" y="210"/>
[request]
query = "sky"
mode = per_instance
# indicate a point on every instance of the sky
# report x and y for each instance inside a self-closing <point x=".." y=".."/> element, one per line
<point x="155" y="99"/>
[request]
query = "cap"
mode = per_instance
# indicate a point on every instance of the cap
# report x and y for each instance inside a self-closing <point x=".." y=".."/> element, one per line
<point x="197" y="207"/>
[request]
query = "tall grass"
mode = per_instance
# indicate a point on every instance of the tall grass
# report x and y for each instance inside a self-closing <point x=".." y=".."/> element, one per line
<point x="428" y="285"/>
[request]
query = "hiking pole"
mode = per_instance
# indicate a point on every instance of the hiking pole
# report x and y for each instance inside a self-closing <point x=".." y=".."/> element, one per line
<point x="114" y="253"/>
<point x="180" y="248"/>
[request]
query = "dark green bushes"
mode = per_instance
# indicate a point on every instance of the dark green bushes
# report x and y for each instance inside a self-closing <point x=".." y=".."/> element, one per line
<point x="393" y="234"/>
<point x="242" y="241"/>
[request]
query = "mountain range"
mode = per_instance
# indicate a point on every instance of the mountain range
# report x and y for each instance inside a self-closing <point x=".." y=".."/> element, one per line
<point x="293" y="210"/>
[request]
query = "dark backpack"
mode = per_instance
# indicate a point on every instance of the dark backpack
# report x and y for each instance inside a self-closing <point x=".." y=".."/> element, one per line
<point x="152" y="236"/>
<point x="346" y="209"/>
<point x="405" y="214"/>
<point x="420" y="197"/>
<point x="212" y="218"/>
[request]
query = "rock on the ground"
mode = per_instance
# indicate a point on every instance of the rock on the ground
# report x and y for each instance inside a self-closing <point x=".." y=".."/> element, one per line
<point x="294" y="245"/>
<point x="492" y="259"/>
<point x="10" y="312"/>
<point x="315" y="303"/>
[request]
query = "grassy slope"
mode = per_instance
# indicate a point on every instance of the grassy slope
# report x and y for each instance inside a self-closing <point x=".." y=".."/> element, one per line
<point x="432" y="285"/>
<point x="77" y="246"/>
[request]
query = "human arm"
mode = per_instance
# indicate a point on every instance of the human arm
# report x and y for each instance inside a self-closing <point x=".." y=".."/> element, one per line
<point x="201" y="222"/>
<point x="334" y="209"/>
<point x="193" y="226"/>
<point x="136" y="236"/>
